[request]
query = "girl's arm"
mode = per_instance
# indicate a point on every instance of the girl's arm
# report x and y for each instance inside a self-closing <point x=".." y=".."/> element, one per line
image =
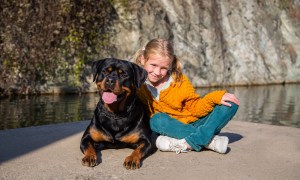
<point x="195" y="104"/>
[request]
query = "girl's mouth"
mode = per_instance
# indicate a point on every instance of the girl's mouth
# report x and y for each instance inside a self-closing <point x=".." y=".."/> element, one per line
<point x="155" y="76"/>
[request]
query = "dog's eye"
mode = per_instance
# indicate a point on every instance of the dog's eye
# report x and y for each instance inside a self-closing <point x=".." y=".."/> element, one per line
<point x="105" y="72"/>
<point x="122" y="73"/>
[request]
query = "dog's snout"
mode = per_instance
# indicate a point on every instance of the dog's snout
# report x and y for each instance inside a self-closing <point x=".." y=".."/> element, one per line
<point x="110" y="82"/>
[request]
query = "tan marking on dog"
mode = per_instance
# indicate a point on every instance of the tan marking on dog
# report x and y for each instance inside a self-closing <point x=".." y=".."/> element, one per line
<point x="127" y="90"/>
<point x="131" y="138"/>
<point x="90" y="150"/>
<point x="138" y="151"/>
<point x="90" y="156"/>
<point x="98" y="136"/>
<point x="101" y="84"/>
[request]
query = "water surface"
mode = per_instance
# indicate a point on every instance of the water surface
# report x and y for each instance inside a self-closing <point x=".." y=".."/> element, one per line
<point x="276" y="105"/>
<point x="273" y="104"/>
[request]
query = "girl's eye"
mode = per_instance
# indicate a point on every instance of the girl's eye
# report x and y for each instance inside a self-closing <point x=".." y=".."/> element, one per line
<point x="164" y="69"/>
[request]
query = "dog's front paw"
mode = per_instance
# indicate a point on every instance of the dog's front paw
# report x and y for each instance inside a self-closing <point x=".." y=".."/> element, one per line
<point x="89" y="160"/>
<point x="132" y="162"/>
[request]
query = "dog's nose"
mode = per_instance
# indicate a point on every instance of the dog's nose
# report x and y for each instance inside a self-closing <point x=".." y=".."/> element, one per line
<point x="110" y="82"/>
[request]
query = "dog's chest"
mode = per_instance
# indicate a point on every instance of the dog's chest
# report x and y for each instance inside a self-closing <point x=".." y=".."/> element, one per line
<point x="115" y="124"/>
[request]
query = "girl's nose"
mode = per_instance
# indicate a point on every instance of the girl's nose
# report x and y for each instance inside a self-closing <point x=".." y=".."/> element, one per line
<point x="157" y="71"/>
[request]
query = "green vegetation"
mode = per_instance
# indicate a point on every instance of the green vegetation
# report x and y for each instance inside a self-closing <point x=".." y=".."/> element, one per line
<point x="50" y="42"/>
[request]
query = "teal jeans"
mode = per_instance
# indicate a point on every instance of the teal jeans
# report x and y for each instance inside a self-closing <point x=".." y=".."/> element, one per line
<point x="199" y="133"/>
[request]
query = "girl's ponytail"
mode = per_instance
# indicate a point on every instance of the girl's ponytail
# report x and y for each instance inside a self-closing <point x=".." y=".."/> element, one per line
<point x="176" y="69"/>
<point x="137" y="57"/>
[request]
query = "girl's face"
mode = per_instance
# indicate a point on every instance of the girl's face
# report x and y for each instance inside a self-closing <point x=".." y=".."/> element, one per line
<point x="157" y="67"/>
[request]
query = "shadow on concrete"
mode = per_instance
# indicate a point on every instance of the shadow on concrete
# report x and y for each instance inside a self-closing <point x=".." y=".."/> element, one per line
<point x="17" y="142"/>
<point x="233" y="137"/>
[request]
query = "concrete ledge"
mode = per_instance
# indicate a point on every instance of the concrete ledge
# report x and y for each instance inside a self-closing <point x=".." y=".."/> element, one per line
<point x="256" y="151"/>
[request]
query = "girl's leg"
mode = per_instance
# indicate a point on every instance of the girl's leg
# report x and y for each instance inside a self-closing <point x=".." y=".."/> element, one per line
<point x="163" y="124"/>
<point x="210" y="125"/>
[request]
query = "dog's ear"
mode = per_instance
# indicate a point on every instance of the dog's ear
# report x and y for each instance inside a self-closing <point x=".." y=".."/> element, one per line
<point x="95" y="65"/>
<point x="140" y="74"/>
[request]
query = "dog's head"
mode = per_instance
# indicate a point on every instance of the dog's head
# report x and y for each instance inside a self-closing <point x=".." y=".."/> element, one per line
<point x="117" y="80"/>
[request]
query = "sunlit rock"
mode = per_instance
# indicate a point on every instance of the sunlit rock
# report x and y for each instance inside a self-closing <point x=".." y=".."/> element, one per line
<point x="235" y="42"/>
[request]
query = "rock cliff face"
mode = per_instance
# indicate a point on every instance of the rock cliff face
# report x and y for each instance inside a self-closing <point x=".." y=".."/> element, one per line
<point x="238" y="42"/>
<point x="46" y="47"/>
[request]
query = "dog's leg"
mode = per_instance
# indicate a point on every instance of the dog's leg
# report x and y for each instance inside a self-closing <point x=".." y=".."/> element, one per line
<point x="90" y="137"/>
<point x="89" y="151"/>
<point x="134" y="160"/>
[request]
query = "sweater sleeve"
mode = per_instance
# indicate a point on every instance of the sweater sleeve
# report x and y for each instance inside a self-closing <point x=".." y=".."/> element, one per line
<point x="198" y="106"/>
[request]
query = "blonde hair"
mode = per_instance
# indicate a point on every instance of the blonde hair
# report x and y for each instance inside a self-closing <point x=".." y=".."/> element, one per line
<point x="162" y="47"/>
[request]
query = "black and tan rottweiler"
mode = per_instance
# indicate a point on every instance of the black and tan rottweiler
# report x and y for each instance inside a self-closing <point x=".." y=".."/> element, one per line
<point x="119" y="119"/>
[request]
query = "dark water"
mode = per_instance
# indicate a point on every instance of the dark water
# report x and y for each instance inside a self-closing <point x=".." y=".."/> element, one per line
<point x="276" y="105"/>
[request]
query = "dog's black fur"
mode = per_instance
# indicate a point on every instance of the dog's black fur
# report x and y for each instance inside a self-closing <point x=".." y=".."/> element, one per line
<point x="123" y="122"/>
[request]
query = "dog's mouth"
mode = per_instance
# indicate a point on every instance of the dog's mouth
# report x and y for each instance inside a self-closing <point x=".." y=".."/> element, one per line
<point x="109" y="97"/>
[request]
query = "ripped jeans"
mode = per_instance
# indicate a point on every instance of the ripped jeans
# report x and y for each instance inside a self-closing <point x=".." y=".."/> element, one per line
<point x="199" y="133"/>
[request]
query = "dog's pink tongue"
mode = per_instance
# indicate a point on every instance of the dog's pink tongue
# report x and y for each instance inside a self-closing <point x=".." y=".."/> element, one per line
<point x="109" y="97"/>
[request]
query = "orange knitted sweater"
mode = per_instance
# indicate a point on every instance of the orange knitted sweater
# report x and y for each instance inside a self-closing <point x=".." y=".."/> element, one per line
<point x="180" y="101"/>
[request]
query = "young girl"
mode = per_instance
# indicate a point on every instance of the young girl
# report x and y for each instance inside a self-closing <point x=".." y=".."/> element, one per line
<point x="184" y="120"/>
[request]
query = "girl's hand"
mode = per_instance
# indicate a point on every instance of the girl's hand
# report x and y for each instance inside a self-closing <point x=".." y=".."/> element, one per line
<point x="227" y="97"/>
